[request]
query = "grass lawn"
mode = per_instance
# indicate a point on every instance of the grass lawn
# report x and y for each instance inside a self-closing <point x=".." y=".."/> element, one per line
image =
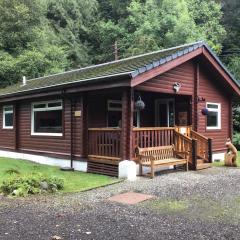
<point x="220" y="164"/>
<point x="73" y="181"/>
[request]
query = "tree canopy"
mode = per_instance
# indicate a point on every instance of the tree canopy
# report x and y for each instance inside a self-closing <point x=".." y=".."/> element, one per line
<point x="49" y="36"/>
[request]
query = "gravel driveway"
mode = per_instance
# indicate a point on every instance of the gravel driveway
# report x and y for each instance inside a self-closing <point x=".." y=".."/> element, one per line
<point x="188" y="205"/>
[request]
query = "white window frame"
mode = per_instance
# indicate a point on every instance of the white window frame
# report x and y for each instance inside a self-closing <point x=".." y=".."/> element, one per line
<point x="4" y="112"/>
<point x="218" y="111"/>
<point x="117" y="109"/>
<point x="46" y="108"/>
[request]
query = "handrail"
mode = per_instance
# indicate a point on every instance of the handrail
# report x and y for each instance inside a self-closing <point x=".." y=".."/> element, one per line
<point x="183" y="144"/>
<point x="183" y="136"/>
<point x="104" y="129"/>
<point x="198" y="134"/>
<point x="152" y="128"/>
<point x="187" y="130"/>
<point x="202" y="146"/>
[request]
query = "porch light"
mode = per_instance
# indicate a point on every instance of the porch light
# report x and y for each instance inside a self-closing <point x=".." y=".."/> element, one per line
<point x="176" y="87"/>
<point x="139" y="104"/>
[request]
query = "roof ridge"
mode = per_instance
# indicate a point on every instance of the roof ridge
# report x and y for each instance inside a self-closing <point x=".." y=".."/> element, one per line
<point x="120" y="60"/>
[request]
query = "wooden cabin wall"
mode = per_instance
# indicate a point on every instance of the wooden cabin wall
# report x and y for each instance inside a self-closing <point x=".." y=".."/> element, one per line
<point x="183" y="74"/>
<point x="7" y="136"/>
<point x="211" y="91"/>
<point x="58" y="146"/>
<point x="208" y="88"/>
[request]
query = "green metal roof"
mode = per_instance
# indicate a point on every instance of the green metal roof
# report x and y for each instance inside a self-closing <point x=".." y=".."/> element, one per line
<point x="131" y="67"/>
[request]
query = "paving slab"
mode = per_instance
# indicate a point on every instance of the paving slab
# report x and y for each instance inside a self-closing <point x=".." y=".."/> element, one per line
<point x="130" y="198"/>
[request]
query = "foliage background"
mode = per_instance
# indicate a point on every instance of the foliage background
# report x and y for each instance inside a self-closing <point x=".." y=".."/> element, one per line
<point x="49" y="36"/>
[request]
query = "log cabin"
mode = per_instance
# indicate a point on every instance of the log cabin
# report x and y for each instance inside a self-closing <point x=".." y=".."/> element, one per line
<point x="94" y="117"/>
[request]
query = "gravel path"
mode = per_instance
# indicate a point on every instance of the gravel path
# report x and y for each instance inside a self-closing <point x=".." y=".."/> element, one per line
<point x="188" y="205"/>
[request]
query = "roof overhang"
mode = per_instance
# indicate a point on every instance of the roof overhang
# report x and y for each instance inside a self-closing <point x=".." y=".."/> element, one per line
<point x="205" y="52"/>
<point x="79" y="86"/>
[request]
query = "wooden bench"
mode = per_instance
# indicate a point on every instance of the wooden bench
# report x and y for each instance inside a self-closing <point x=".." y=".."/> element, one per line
<point x="160" y="156"/>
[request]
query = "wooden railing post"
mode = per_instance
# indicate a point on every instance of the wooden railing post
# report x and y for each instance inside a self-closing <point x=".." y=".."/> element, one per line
<point x="210" y="150"/>
<point x="194" y="154"/>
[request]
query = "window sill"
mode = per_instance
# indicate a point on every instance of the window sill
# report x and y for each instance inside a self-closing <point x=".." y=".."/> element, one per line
<point x="213" y="129"/>
<point x="7" y="128"/>
<point x="47" y="134"/>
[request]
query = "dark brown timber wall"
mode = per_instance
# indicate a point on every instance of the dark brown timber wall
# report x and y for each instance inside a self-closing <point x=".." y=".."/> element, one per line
<point x="55" y="146"/>
<point x="206" y="87"/>
<point x="210" y="90"/>
<point x="7" y="136"/>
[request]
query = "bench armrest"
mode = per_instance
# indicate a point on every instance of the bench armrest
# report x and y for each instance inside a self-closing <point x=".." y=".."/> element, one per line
<point x="143" y="158"/>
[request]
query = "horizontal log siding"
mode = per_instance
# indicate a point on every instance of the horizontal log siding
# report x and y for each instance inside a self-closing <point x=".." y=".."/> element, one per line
<point x="54" y="145"/>
<point x="210" y="90"/>
<point x="164" y="83"/>
<point x="7" y="136"/>
<point x="78" y="129"/>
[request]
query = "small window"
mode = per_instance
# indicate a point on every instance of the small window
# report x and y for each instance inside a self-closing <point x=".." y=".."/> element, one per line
<point x="47" y="118"/>
<point x="114" y="105"/>
<point x="8" y="117"/>
<point x="214" y="116"/>
<point x="114" y="113"/>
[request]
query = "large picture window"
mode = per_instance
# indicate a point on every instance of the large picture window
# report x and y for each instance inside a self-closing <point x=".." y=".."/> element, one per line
<point x="214" y="116"/>
<point x="47" y="118"/>
<point x="8" y="117"/>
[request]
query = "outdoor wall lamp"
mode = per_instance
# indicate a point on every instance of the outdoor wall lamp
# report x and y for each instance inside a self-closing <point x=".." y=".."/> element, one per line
<point x="176" y="87"/>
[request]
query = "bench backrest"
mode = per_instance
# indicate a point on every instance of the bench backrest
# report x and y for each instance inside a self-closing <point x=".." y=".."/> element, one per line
<point x="160" y="153"/>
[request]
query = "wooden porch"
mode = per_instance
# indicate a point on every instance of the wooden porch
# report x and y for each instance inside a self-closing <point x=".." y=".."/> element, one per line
<point x="105" y="144"/>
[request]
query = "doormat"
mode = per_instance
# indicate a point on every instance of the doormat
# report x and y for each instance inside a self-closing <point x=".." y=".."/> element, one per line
<point x="130" y="198"/>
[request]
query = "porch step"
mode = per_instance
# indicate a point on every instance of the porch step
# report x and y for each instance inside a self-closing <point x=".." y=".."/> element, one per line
<point x="203" y="166"/>
<point x="200" y="161"/>
<point x="102" y="168"/>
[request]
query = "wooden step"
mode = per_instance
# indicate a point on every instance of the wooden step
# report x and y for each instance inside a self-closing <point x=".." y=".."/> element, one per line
<point x="102" y="168"/>
<point x="200" y="161"/>
<point x="203" y="166"/>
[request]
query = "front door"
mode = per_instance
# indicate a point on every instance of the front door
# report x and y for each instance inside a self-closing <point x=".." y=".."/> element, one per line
<point x="165" y="113"/>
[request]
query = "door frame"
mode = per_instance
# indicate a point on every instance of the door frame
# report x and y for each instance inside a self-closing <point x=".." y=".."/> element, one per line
<point x="157" y="112"/>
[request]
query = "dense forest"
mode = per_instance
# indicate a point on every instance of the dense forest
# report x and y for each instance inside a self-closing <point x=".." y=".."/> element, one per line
<point x="40" y="37"/>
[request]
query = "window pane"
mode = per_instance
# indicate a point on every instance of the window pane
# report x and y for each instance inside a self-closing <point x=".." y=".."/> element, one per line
<point x="48" y="121"/>
<point x="8" y="119"/>
<point x="171" y="114"/>
<point x="212" y="119"/>
<point x="115" y="105"/>
<point x="8" y="109"/>
<point x="212" y="106"/>
<point x="55" y="104"/>
<point x="114" y="119"/>
<point x="41" y="105"/>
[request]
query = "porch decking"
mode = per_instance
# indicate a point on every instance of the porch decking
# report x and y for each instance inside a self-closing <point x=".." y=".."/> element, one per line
<point x="105" y="144"/>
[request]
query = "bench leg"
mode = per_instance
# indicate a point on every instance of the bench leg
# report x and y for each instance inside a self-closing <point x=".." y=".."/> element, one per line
<point x="140" y="169"/>
<point x="187" y="166"/>
<point x="152" y="170"/>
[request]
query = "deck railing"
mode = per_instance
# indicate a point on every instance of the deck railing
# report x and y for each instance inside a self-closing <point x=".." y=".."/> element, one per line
<point x="202" y="150"/>
<point x="151" y="137"/>
<point x="184" y="144"/>
<point x="104" y="143"/>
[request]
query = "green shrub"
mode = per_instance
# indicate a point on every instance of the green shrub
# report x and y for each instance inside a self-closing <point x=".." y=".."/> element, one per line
<point x="11" y="171"/>
<point x="236" y="140"/>
<point x="30" y="185"/>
